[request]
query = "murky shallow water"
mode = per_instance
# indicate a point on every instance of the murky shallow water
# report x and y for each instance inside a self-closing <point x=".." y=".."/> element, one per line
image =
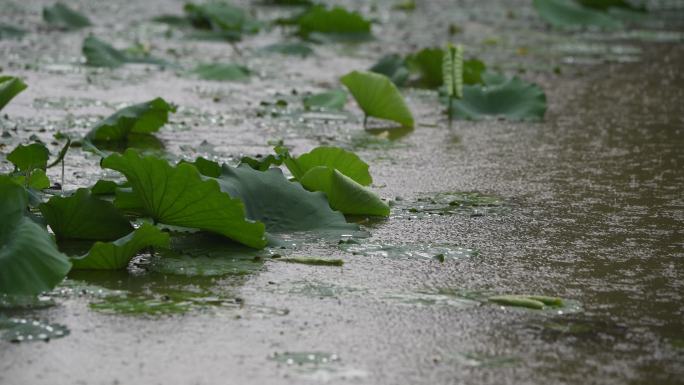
<point x="591" y="210"/>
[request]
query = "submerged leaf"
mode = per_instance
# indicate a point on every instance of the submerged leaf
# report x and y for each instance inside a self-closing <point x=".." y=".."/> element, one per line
<point x="337" y="158"/>
<point x="283" y="206"/>
<point x="330" y="100"/>
<point x="513" y="99"/>
<point x="29" y="260"/>
<point x="529" y="301"/>
<point x="377" y="96"/>
<point x="116" y="255"/>
<point x="10" y="31"/>
<point x="216" y="16"/>
<point x="143" y="118"/>
<point x="100" y="54"/>
<point x="294" y="49"/>
<point x="83" y="216"/>
<point x="222" y="72"/>
<point x="179" y="196"/>
<point x="568" y="13"/>
<point x="30" y="157"/>
<point x="9" y="88"/>
<point x="394" y="67"/>
<point x="336" y="21"/>
<point x="344" y="194"/>
<point x="61" y="16"/>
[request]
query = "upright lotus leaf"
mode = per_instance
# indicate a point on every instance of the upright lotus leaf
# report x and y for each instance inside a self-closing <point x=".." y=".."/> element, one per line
<point x="30" y="157"/>
<point x="222" y="72"/>
<point x="61" y="16"/>
<point x="217" y="16"/>
<point x="9" y="88"/>
<point x="344" y="194"/>
<point x="292" y="49"/>
<point x="568" y="13"/>
<point x="37" y="180"/>
<point x="336" y="158"/>
<point x="84" y="216"/>
<point x="116" y="255"/>
<point x="100" y="54"/>
<point x="10" y="32"/>
<point x="377" y="96"/>
<point x="262" y="164"/>
<point x="330" y="100"/>
<point x="394" y="67"/>
<point x="336" y="21"/>
<point x="428" y="63"/>
<point x="283" y="206"/>
<point x="143" y="118"/>
<point x="29" y="260"/>
<point x="513" y="99"/>
<point x="179" y="196"/>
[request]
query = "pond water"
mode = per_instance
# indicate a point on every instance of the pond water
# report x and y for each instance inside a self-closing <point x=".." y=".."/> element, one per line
<point x="587" y="206"/>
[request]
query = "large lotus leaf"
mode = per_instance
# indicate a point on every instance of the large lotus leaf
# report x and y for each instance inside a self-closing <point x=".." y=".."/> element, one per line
<point x="61" y="16"/>
<point x="29" y="260"/>
<point x="29" y="157"/>
<point x="9" y="88"/>
<point x="84" y="216"/>
<point x="377" y="96"/>
<point x="568" y="13"/>
<point x="143" y="118"/>
<point x="220" y="16"/>
<point x="100" y="54"/>
<point x="513" y="99"/>
<point x="336" y="21"/>
<point x="343" y="193"/>
<point x="222" y="72"/>
<point x="283" y="206"/>
<point x="179" y="196"/>
<point x="116" y="255"/>
<point x="337" y="158"/>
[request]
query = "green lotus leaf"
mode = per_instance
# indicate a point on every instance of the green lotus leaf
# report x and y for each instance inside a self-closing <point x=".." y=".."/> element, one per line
<point x="222" y="72"/>
<point x="37" y="180"/>
<point x="216" y="16"/>
<point x="292" y="49"/>
<point x="29" y="260"/>
<point x="330" y="100"/>
<point x="343" y="193"/>
<point x="104" y="187"/>
<point x="206" y="167"/>
<point x="179" y="196"/>
<point x="428" y="63"/>
<point x="607" y="4"/>
<point x="61" y="16"/>
<point x="84" y="216"/>
<point x="394" y="67"/>
<point x="100" y="54"/>
<point x="283" y="206"/>
<point x="143" y="118"/>
<point x="377" y="96"/>
<point x="30" y="157"/>
<point x="513" y="99"/>
<point x="336" y="158"/>
<point x="116" y="255"/>
<point x="10" y="87"/>
<point x="335" y="21"/>
<point x="568" y="13"/>
<point x="9" y="31"/>
<point x="261" y="164"/>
